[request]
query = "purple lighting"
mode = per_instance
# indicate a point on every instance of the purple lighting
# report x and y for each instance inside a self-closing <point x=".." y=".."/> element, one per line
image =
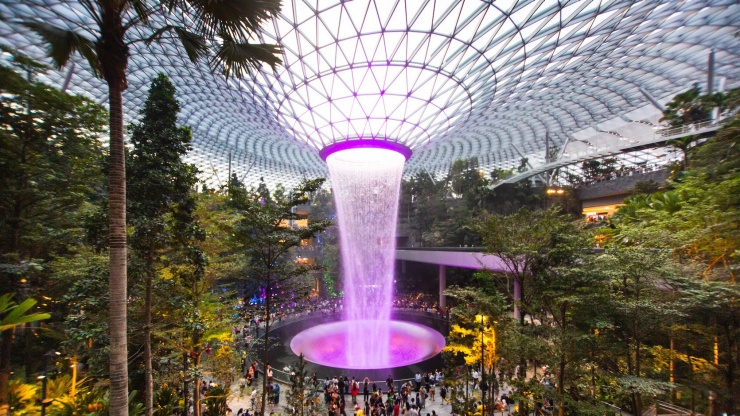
<point x="366" y="180"/>
<point x="326" y="344"/>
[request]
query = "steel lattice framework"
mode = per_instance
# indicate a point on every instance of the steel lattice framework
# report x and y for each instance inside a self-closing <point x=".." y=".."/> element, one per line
<point x="492" y="80"/>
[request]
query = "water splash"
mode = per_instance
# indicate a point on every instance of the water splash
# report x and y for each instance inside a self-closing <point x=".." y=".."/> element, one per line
<point x="327" y="344"/>
<point x="366" y="184"/>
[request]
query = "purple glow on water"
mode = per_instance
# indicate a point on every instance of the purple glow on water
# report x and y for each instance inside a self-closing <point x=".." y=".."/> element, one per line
<point x="366" y="183"/>
<point x="336" y="344"/>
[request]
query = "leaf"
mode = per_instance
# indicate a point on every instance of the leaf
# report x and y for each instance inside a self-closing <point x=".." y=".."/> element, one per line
<point x="62" y="43"/>
<point x="240" y="59"/>
<point x="16" y="312"/>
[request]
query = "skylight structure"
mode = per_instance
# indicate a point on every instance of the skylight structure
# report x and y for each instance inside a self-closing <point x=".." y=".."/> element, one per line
<point x="487" y="79"/>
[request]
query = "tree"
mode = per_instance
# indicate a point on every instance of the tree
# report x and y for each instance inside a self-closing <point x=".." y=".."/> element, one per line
<point x="264" y="232"/>
<point x="547" y="253"/>
<point x="225" y="26"/>
<point x="640" y="306"/>
<point x="478" y="319"/>
<point x="697" y="223"/>
<point x="49" y="156"/>
<point x="598" y="169"/>
<point x="423" y="201"/>
<point x="160" y="198"/>
<point x="302" y="397"/>
<point x="687" y="108"/>
<point x="692" y="107"/>
<point x="522" y="241"/>
<point x="81" y="281"/>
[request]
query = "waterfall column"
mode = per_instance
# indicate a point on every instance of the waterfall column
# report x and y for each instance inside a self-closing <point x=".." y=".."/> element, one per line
<point x="366" y="182"/>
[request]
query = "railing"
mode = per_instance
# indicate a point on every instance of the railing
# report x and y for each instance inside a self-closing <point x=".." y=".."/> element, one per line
<point x="687" y="129"/>
<point x="670" y="409"/>
<point x="615" y="409"/>
<point x="283" y="375"/>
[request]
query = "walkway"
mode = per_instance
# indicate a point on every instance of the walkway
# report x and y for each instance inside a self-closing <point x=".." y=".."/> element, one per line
<point x="242" y="401"/>
<point x="659" y="137"/>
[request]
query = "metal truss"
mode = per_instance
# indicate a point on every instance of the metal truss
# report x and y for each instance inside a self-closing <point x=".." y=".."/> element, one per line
<point x="450" y="79"/>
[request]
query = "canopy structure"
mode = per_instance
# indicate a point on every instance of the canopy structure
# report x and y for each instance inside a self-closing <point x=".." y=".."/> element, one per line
<point x="498" y="81"/>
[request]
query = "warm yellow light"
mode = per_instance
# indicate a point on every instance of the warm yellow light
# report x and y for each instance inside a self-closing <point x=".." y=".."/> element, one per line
<point x="555" y="191"/>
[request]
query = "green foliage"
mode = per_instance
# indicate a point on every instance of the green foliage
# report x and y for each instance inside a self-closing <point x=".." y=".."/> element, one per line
<point x="302" y="397"/>
<point x="50" y="156"/>
<point x="166" y="401"/>
<point x="23" y="397"/>
<point x="598" y="169"/>
<point x="263" y="231"/>
<point x="688" y="107"/>
<point x="82" y="281"/>
<point x="14" y="314"/>
<point x="216" y="401"/>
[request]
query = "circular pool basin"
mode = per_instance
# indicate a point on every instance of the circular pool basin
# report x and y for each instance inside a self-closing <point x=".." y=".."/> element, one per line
<point x="335" y="344"/>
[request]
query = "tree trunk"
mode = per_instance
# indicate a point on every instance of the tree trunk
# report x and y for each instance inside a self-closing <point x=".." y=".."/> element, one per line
<point x="733" y="398"/>
<point x="112" y="53"/>
<point x="196" y="390"/>
<point x="185" y="384"/>
<point x="561" y="369"/>
<point x="148" y="383"/>
<point x="5" y="350"/>
<point x="265" y="353"/>
<point x="118" y="273"/>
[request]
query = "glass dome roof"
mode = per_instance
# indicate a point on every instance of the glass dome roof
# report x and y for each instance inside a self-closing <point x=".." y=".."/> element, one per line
<point x="493" y="80"/>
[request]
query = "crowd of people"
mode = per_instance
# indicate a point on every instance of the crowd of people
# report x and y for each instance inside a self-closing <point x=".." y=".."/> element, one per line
<point x="368" y="398"/>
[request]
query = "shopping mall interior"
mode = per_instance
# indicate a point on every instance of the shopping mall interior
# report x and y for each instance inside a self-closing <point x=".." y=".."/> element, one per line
<point x="375" y="207"/>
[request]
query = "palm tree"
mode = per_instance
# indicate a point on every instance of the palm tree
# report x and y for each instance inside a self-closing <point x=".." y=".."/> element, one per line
<point x="217" y="32"/>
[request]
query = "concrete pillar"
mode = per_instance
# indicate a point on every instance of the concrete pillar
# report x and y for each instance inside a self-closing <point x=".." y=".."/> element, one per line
<point x="442" y="287"/>
<point x="517" y="299"/>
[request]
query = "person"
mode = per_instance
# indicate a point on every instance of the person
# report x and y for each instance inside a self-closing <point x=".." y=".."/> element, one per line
<point x="500" y="405"/>
<point x="270" y="393"/>
<point x="443" y="393"/>
<point x="432" y="392"/>
<point x="250" y="374"/>
<point x="422" y="397"/>
<point x="276" y="392"/>
<point x="417" y="379"/>
<point x="358" y="410"/>
<point x="268" y="373"/>
<point x="389" y="381"/>
<point x="253" y="399"/>
<point x="476" y="378"/>
<point x="366" y="389"/>
<point x="354" y="390"/>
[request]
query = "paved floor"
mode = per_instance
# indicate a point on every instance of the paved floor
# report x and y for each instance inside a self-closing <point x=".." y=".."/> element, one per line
<point x="242" y="401"/>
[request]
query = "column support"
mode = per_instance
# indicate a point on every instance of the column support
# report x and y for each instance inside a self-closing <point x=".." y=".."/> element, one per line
<point x="442" y="287"/>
